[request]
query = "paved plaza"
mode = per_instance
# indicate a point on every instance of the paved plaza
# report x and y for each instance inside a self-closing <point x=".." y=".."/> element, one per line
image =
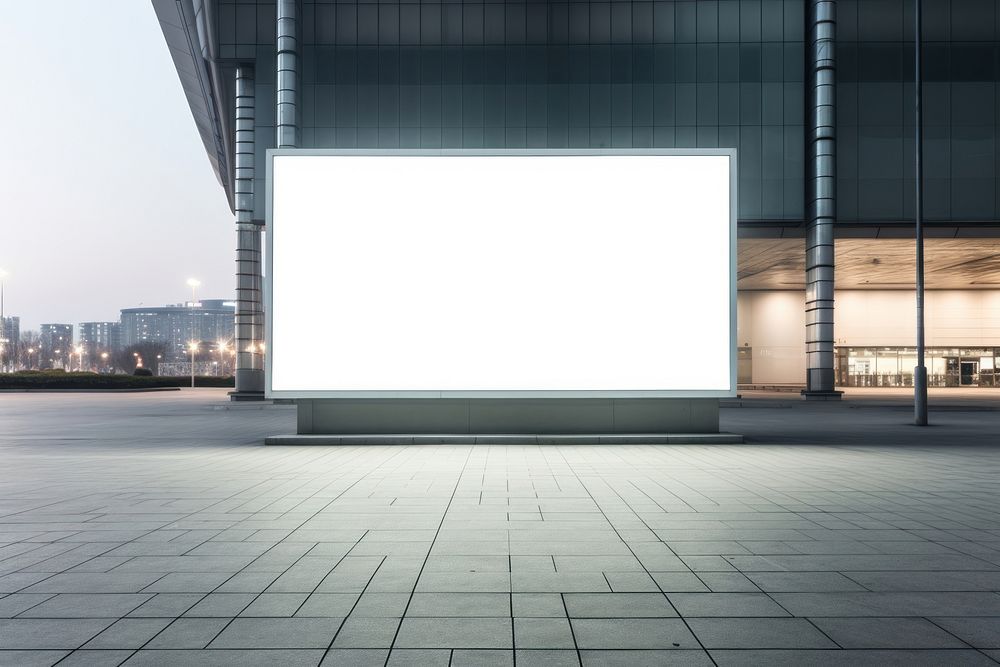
<point x="155" y="529"/>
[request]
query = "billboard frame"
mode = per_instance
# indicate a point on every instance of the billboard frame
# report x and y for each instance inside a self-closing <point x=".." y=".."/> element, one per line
<point x="272" y="153"/>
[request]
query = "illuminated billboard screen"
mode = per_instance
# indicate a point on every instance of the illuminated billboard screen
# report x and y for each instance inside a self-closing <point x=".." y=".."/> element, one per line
<point x="462" y="274"/>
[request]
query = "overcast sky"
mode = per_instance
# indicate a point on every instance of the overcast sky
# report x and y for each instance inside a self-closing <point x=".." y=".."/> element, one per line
<point x="108" y="197"/>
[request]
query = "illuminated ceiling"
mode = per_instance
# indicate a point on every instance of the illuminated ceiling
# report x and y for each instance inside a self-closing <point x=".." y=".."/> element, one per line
<point x="873" y="263"/>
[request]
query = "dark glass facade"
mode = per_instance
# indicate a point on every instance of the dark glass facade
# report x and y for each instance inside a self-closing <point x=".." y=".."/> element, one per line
<point x="875" y="106"/>
<point x="667" y="74"/>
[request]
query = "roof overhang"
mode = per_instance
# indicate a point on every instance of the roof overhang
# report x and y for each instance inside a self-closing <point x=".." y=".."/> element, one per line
<point x="188" y="30"/>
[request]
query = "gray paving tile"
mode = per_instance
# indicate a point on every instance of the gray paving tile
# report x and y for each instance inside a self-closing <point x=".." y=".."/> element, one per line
<point x="221" y="604"/>
<point x="890" y="604"/>
<point x="355" y="657"/>
<point x="274" y="604"/>
<point x="328" y="605"/>
<point x="645" y="658"/>
<point x="384" y="605"/>
<point x="859" y="658"/>
<point x="547" y="633"/>
<point x="758" y="633"/>
<point x="403" y="657"/>
<point x="188" y="633"/>
<point x="230" y="658"/>
<point x="981" y="632"/>
<point x="164" y="605"/>
<point x="455" y="633"/>
<point x="366" y="632"/>
<point x="464" y="582"/>
<point x="538" y="605"/>
<point x="14" y="658"/>
<point x="547" y="658"/>
<point x="727" y="582"/>
<point x="482" y="658"/>
<point x="802" y="582"/>
<point x="618" y="605"/>
<point x="679" y="582"/>
<point x="188" y="582"/>
<point x="875" y="633"/>
<point x="128" y="633"/>
<point x="559" y="582"/>
<point x="12" y="605"/>
<point x="44" y="633"/>
<point x="86" y="605"/>
<point x="725" y="604"/>
<point x="632" y="633"/>
<point x="95" y="582"/>
<point x="460" y="604"/>
<point x="95" y="658"/>
<point x="277" y="633"/>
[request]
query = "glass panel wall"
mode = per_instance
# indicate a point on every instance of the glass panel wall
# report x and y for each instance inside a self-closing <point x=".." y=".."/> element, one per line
<point x="893" y="366"/>
<point x="656" y="74"/>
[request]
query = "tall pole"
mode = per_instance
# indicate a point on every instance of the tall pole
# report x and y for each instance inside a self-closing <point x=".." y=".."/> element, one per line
<point x="920" y="372"/>
<point x="3" y="326"/>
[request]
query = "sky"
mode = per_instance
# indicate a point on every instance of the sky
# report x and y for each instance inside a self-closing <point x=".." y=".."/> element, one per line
<point x="108" y="198"/>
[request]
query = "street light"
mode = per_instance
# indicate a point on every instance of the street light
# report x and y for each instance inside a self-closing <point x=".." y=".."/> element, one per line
<point x="31" y="351"/>
<point x="193" y="283"/>
<point x="221" y="347"/>
<point x="79" y="358"/>
<point x="194" y="348"/>
<point x="3" y="321"/>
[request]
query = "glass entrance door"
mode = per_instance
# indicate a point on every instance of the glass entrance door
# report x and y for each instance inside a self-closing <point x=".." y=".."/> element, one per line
<point x="970" y="373"/>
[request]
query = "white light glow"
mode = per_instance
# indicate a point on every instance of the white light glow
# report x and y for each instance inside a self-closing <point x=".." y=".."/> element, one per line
<point x="511" y="273"/>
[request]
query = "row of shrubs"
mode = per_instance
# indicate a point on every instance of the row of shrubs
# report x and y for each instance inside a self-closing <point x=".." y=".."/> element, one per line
<point x="63" y="380"/>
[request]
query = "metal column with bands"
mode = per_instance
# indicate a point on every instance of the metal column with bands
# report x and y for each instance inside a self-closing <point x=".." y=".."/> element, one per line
<point x="821" y="182"/>
<point x="249" y="299"/>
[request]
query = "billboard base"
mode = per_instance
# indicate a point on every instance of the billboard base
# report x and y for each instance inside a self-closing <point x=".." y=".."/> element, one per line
<point x="597" y="419"/>
<point x="506" y="439"/>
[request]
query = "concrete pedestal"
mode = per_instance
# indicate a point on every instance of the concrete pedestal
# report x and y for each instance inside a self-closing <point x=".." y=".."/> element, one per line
<point x="409" y="421"/>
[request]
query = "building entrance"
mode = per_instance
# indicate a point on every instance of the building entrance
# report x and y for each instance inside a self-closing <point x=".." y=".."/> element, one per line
<point x="893" y="366"/>
<point x="969" y="375"/>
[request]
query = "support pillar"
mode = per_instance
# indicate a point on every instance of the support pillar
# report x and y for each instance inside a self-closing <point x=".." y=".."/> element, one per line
<point x="821" y="182"/>
<point x="287" y="75"/>
<point x="249" y="305"/>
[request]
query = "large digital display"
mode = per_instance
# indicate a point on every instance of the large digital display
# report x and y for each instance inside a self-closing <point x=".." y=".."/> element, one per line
<point x="462" y="274"/>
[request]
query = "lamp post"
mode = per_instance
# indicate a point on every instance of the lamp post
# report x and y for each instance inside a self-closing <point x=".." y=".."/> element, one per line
<point x="221" y="348"/>
<point x="193" y="283"/>
<point x="79" y="358"/>
<point x="31" y="351"/>
<point x="104" y="359"/>
<point x="194" y="348"/>
<point x="920" y="372"/>
<point x="3" y="323"/>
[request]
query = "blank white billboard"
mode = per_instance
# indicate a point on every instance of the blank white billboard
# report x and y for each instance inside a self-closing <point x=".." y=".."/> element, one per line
<point x="512" y="274"/>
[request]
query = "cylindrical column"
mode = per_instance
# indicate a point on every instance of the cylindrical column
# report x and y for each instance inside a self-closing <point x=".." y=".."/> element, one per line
<point x="821" y="182"/>
<point x="249" y="311"/>
<point x="287" y="64"/>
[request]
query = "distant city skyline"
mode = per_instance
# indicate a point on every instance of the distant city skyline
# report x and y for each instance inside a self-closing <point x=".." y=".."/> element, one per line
<point x="107" y="205"/>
